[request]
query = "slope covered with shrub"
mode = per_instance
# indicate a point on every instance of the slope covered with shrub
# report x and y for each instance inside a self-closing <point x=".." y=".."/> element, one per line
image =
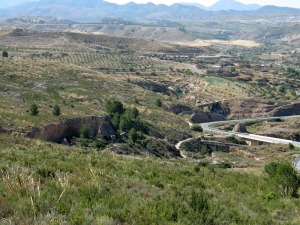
<point x="52" y="184"/>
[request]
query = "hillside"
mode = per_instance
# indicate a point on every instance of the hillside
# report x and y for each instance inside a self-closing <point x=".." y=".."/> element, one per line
<point x="86" y="186"/>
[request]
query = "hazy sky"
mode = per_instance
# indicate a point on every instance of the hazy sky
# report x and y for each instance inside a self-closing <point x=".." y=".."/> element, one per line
<point x="289" y="3"/>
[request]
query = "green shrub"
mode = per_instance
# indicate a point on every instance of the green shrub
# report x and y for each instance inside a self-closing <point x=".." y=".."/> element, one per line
<point x="158" y="102"/>
<point x="196" y="128"/>
<point x="5" y="54"/>
<point x="99" y="145"/>
<point x="132" y="136"/>
<point x="285" y="178"/>
<point x="56" y="110"/>
<point x="34" y="110"/>
<point x="125" y="124"/>
<point x="131" y="113"/>
<point x="115" y="120"/>
<point x="84" y="132"/>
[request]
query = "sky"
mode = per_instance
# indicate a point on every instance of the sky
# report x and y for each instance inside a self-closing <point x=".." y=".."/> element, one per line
<point x="289" y="3"/>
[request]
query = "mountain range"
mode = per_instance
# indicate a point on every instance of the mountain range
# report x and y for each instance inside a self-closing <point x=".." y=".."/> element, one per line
<point x="95" y="10"/>
<point x="226" y="5"/>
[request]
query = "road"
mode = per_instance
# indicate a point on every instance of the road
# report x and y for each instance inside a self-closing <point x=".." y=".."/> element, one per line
<point x="207" y="127"/>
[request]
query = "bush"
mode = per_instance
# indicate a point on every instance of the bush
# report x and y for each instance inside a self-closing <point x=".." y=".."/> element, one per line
<point x="132" y="136"/>
<point x="112" y="107"/>
<point x="158" y="102"/>
<point x="116" y="121"/>
<point x="285" y="178"/>
<point x="34" y="110"/>
<point x="5" y="54"/>
<point x="99" y="145"/>
<point x="56" y="110"/>
<point x="131" y="113"/>
<point x="84" y="132"/>
<point x="197" y="128"/>
<point x="125" y="124"/>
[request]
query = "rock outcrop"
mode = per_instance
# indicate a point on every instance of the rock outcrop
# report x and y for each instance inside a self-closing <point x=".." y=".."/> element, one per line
<point x="289" y="110"/>
<point x="240" y="128"/>
<point x="177" y="109"/>
<point x="216" y="107"/>
<point x="67" y="128"/>
<point x="204" y="117"/>
<point x="152" y="86"/>
<point x="106" y="131"/>
<point x="4" y="130"/>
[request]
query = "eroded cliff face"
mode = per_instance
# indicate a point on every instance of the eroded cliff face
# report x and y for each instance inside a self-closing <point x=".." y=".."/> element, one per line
<point x="289" y="110"/>
<point x="68" y="128"/>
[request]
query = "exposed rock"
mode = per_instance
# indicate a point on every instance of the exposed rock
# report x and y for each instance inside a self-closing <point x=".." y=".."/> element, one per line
<point x="240" y="128"/>
<point x="151" y="86"/>
<point x="289" y="110"/>
<point x="177" y="109"/>
<point x="249" y="107"/>
<point x="4" y="130"/>
<point x="65" y="142"/>
<point x="217" y="108"/>
<point x="204" y="117"/>
<point x="106" y="131"/>
<point x="68" y="128"/>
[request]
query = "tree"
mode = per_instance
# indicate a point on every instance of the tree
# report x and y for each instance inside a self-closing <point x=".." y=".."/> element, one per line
<point x="56" y="110"/>
<point x="125" y="124"/>
<point x="34" y="110"/>
<point x="116" y="121"/>
<point x="112" y="107"/>
<point x="158" y="102"/>
<point x="132" y="113"/>
<point x="5" y="54"/>
<point x="132" y="136"/>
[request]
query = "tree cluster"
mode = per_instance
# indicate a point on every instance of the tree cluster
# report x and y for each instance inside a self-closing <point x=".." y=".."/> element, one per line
<point x="126" y="120"/>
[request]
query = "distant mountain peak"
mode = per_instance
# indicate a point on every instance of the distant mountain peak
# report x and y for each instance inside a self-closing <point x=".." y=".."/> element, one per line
<point x="193" y="4"/>
<point x="232" y="5"/>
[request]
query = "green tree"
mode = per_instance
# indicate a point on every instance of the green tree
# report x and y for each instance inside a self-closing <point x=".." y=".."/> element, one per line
<point x="125" y="124"/>
<point x="132" y="136"/>
<point x="131" y="113"/>
<point x="112" y="107"/>
<point x="116" y="121"/>
<point x="5" y="54"/>
<point x="56" y="110"/>
<point x="34" y="110"/>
